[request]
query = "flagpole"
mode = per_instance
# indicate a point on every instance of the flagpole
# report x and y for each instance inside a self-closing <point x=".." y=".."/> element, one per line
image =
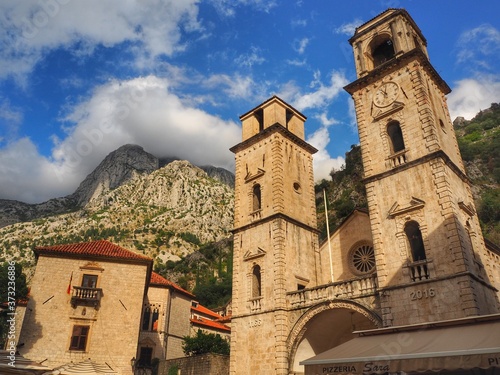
<point x="328" y="236"/>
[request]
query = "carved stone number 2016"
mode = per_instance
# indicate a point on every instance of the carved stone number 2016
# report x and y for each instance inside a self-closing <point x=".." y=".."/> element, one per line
<point x="421" y="294"/>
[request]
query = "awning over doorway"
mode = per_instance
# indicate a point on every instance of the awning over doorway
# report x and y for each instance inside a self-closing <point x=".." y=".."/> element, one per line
<point x="462" y="344"/>
<point x="18" y="365"/>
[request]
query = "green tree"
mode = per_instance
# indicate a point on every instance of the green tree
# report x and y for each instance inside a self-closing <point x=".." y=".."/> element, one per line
<point x="205" y="343"/>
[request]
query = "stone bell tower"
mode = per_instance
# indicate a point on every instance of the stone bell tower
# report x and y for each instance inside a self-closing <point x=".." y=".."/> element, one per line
<point x="428" y="245"/>
<point x="275" y="236"/>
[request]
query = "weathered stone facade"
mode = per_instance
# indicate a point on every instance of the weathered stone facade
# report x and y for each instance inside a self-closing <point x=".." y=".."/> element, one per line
<point x="417" y="256"/>
<point x="165" y="319"/>
<point x="52" y="314"/>
<point x="207" y="364"/>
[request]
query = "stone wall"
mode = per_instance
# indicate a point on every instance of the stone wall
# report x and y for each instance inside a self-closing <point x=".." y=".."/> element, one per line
<point x="207" y="364"/>
<point x="113" y="327"/>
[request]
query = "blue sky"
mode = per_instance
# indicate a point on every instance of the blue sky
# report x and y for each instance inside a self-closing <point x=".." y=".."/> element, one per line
<point x="78" y="79"/>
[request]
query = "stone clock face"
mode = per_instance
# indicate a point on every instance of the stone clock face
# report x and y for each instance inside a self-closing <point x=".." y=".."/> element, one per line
<point x="386" y="94"/>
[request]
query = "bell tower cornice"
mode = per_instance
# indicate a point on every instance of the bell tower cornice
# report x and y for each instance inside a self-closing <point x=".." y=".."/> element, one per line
<point x="267" y="132"/>
<point x="394" y="64"/>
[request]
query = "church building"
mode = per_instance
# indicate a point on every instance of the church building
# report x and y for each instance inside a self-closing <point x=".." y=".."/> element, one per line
<point x="410" y="270"/>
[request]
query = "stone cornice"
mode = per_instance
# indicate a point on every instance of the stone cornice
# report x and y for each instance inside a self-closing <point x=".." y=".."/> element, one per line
<point x="396" y="63"/>
<point x="273" y="217"/>
<point x="434" y="155"/>
<point x="267" y="132"/>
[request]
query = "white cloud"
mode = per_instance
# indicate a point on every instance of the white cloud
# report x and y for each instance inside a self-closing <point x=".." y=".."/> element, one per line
<point x="228" y="7"/>
<point x="10" y="119"/>
<point x="475" y="46"/>
<point x="253" y="57"/>
<point x="36" y="27"/>
<point x="324" y="120"/>
<point x="139" y="111"/>
<point x="319" y="99"/>
<point x="323" y="162"/>
<point x="323" y="95"/>
<point x="348" y="28"/>
<point x="29" y="177"/>
<point x="234" y="86"/>
<point x="299" y="45"/>
<point x="471" y="95"/>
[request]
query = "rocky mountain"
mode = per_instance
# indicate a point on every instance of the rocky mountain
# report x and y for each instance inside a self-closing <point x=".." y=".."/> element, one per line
<point x="166" y="213"/>
<point x="118" y="168"/>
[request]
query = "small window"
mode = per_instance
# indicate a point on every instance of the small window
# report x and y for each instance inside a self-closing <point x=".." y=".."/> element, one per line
<point x="441" y="123"/>
<point x="256" y="282"/>
<point x="145" y="357"/>
<point x="256" y="203"/>
<point x="296" y="187"/>
<point x="146" y="317"/>
<point x="89" y="281"/>
<point x="412" y="231"/>
<point x="289" y="116"/>
<point x="383" y="52"/>
<point x="150" y="319"/>
<point x="396" y="137"/>
<point x="154" y="320"/>
<point x="79" y="338"/>
<point x="259" y="115"/>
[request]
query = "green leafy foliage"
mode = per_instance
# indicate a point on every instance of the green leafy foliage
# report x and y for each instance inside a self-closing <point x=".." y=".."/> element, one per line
<point x="344" y="193"/>
<point x="205" y="343"/>
<point x="479" y="143"/>
<point x="206" y="272"/>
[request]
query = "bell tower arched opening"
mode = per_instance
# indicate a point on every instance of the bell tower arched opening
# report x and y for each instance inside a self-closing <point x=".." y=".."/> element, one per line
<point x="382" y="50"/>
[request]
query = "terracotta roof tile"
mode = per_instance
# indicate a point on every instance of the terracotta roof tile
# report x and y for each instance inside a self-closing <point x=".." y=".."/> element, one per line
<point x="210" y="323"/>
<point x="157" y="279"/>
<point x="203" y="310"/>
<point x="100" y="248"/>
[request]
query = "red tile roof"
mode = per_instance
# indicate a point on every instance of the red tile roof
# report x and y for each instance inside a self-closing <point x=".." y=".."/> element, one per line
<point x="100" y="249"/>
<point x="210" y="323"/>
<point x="204" y="311"/>
<point x="158" y="280"/>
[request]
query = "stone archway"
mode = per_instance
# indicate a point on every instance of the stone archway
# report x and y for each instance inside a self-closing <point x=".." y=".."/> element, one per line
<point x="325" y="326"/>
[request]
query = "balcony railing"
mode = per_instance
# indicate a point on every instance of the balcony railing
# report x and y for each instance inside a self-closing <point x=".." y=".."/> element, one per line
<point x="352" y="288"/>
<point x="256" y="304"/>
<point x="256" y="215"/>
<point x="419" y="270"/>
<point x="398" y="159"/>
<point x="86" y="296"/>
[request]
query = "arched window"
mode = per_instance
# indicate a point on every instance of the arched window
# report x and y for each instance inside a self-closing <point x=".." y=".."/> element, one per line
<point x="259" y="115"/>
<point x="256" y="202"/>
<point x="396" y="136"/>
<point x="146" y="317"/>
<point x="382" y="52"/>
<point x="256" y="282"/>
<point x="412" y="231"/>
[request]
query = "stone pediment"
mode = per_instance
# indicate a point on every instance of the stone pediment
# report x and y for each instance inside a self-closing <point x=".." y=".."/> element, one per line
<point x="378" y="113"/>
<point x="252" y="176"/>
<point x="252" y="254"/>
<point x="398" y="209"/>
<point x="468" y="208"/>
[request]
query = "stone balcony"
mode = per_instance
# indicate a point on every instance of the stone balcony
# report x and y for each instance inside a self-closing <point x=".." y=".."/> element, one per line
<point x="352" y="288"/>
<point x="398" y="159"/>
<point x="86" y="297"/>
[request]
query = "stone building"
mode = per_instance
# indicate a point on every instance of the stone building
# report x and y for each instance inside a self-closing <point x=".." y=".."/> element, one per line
<point x="165" y="320"/>
<point x="208" y="321"/>
<point x="417" y="255"/>
<point x="100" y="301"/>
<point x="85" y="302"/>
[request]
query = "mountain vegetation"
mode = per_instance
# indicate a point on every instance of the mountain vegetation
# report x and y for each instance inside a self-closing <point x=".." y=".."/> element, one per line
<point x="479" y="144"/>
